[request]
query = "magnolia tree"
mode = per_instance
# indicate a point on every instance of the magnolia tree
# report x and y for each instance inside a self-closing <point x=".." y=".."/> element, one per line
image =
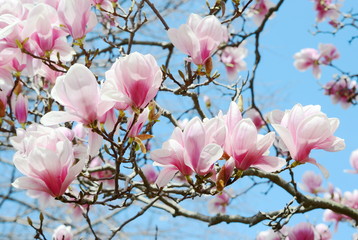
<point x="107" y="114"/>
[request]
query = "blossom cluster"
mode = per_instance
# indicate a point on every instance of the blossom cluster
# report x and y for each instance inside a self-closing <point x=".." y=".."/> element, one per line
<point x="310" y="57"/>
<point x="342" y="90"/>
<point x="199" y="146"/>
<point x="302" y="230"/>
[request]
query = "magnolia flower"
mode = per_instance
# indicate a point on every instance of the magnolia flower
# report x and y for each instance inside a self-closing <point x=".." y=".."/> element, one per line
<point x="133" y="80"/>
<point x="186" y="151"/>
<point x="304" y="128"/>
<point x="328" y="53"/>
<point x="62" y="233"/>
<point x="233" y="58"/>
<point x="150" y="173"/>
<point x="46" y="39"/>
<point x="97" y="162"/>
<point x="246" y="146"/>
<point x="134" y="128"/>
<point x="218" y="204"/>
<point x="349" y="199"/>
<point x="307" y="58"/>
<point x="106" y="5"/>
<point x="312" y="182"/>
<point x="354" y="162"/>
<point x="342" y="90"/>
<point x="323" y="232"/>
<point x="71" y="90"/>
<point x="199" y="37"/>
<point x="326" y="9"/>
<point x="21" y="108"/>
<point x="76" y="16"/>
<point x="302" y="231"/>
<point x="256" y="118"/>
<point x="271" y="235"/>
<point x="45" y="156"/>
<point x="260" y="10"/>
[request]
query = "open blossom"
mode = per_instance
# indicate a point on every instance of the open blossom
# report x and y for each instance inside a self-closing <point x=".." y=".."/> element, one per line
<point x="186" y="151"/>
<point x="45" y="37"/>
<point x="272" y="235"/>
<point x="304" y="128"/>
<point x="312" y="182"/>
<point x="233" y="58"/>
<point x="323" y="232"/>
<point x="328" y="53"/>
<point x="349" y="199"/>
<point x="246" y="146"/>
<point x="71" y="90"/>
<point x="62" y="232"/>
<point x="106" y="5"/>
<point x="302" y="231"/>
<point x="354" y="162"/>
<point x="260" y="10"/>
<point x="342" y="91"/>
<point x="307" y="58"/>
<point x="76" y="16"/>
<point x="326" y="9"/>
<point x="133" y="80"/>
<point x="45" y="155"/>
<point x="219" y="202"/>
<point x="199" y="37"/>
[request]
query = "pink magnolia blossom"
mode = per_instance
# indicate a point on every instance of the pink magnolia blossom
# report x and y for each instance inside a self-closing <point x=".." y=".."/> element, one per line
<point x="354" y="162"/>
<point x="186" y="151"/>
<point x="326" y="9"/>
<point x="77" y="17"/>
<point x="328" y="53"/>
<point x="260" y="10"/>
<point x="304" y="128"/>
<point x="106" y="5"/>
<point x="271" y="235"/>
<point x="349" y="199"/>
<point x="342" y="91"/>
<point x="302" y="231"/>
<point x="71" y="90"/>
<point x="133" y="80"/>
<point x="312" y="182"/>
<point x="45" y="38"/>
<point x="218" y="204"/>
<point x="256" y="118"/>
<point x="307" y="58"/>
<point x="21" y="108"/>
<point x="45" y="156"/>
<point x="49" y="75"/>
<point x="97" y="162"/>
<point x="246" y="146"/>
<point x="323" y="232"/>
<point x="199" y="37"/>
<point x="134" y="128"/>
<point x="62" y="232"/>
<point x="150" y="173"/>
<point x="233" y="58"/>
